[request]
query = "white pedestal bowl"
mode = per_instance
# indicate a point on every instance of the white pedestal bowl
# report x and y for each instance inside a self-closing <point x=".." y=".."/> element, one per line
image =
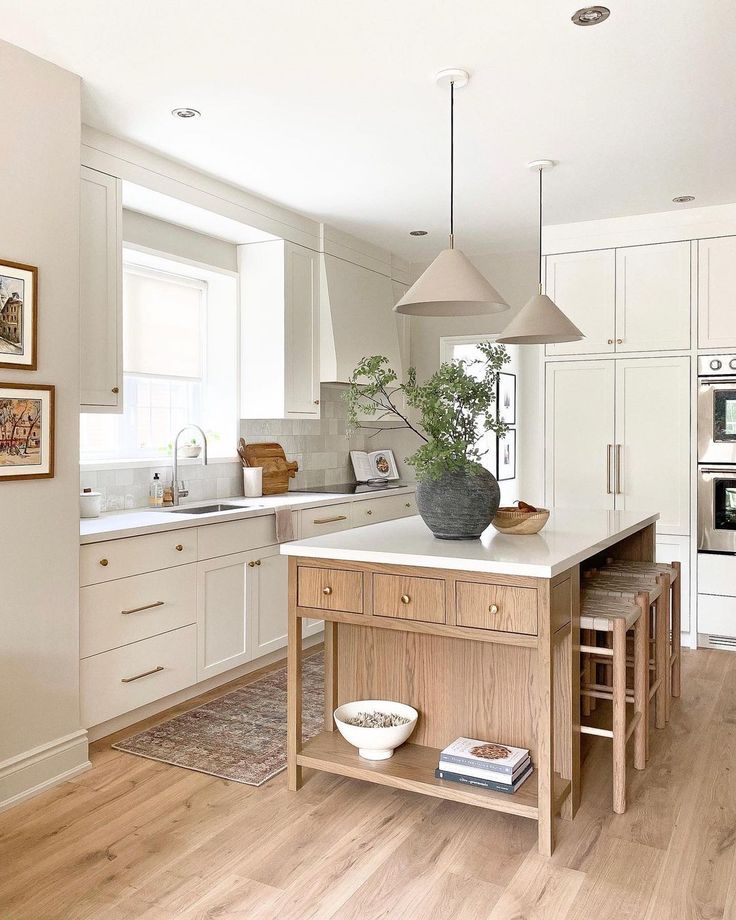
<point x="375" y="743"/>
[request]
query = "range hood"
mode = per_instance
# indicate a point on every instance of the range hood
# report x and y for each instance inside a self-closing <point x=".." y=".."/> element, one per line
<point x="356" y="318"/>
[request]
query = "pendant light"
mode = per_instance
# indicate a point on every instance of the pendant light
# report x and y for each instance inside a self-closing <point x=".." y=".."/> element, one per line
<point x="452" y="285"/>
<point x="540" y="321"/>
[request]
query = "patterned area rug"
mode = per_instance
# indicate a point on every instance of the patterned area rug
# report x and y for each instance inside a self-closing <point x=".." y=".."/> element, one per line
<point x="241" y="736"/>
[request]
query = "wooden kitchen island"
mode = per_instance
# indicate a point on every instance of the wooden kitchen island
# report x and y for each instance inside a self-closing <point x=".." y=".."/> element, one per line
<point x="481" y="637"/>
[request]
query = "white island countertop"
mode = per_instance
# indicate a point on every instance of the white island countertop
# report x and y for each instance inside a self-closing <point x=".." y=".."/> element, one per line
<point x="568" y="539"/>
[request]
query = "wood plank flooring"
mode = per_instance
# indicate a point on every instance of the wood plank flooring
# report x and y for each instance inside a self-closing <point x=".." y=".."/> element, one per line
<point x="133" y="839"/>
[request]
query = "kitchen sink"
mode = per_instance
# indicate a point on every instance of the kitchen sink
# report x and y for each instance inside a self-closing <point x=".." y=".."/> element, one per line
<point x="208" y="509"/>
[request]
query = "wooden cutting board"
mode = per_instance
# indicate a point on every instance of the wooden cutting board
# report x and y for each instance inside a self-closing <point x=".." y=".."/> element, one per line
<point x="277" y="470"/>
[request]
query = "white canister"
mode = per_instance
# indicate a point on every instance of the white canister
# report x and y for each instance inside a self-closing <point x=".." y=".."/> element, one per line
<point x="90" y="504"/>
<point x="252" y="481"/>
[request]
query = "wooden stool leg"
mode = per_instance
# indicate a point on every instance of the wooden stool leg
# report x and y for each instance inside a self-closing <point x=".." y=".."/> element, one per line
<point x="619" y="716"/>
<point x="641" y="690"/>
<point x="661" y="657"/>
<point x="676" y="627"/>
<point x="587" y="671"/>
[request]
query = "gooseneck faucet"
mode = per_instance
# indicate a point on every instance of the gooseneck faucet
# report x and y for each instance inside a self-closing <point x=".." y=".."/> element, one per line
<point x="178" y="490"/>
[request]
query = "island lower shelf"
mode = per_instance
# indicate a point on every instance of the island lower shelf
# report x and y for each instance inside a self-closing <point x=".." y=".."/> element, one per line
<point x="412" y="768"/>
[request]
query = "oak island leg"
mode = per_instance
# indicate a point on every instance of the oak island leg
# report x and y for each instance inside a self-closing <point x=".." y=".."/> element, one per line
<point x="661" y="657"/>
<point x="676" y="634"/>
<point x="294" y="686"/>
<point x="545" y="730"/>
<point x="571" y="660"/>
<point x="331" y="674"/>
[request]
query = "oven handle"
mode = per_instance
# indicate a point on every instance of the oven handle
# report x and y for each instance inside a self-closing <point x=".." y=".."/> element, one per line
<point x="727" y="470"/>
<point x="713" y="380"/>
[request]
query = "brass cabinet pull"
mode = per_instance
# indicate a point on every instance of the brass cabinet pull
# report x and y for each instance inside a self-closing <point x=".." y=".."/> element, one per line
<point x="619" y="468"/>
<point x="369" y="511"/>
<point x="493" y="608"/>
<point x="405" y="599"/>
<point x="116" y="390"/>
<point x="330" y="520"/>
<point x="609" y="448"/>
<point x="104" y="562"/>
<point x="327" y="590"/>
<point x="127" y="680"/>
<point x="258" y="561"/>
<point x="407" y="505"/>
<point x="251" y="564"/>
<point x="610" y="341"/>
<point x="316" y="402"/>
<point x="144" y="607"/>
<point x="619" y="341"/>
<point x="178" y="547"/>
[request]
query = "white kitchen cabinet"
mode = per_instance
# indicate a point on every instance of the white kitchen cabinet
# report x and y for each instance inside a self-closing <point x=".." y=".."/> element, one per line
<point x="579" y="434"/>
<point x="617" y="437"/>
<point x="224" y="613"/>
<point x="671" y="548"/>
<point x="653" y="297"/>
<point x="269" y="600"/>
<point x="279" y="289"/>
<point x="326" y="519"/>
<point x="101" y="292"/>
<point x="716" y="299"/>
<point x="583" y="285"/>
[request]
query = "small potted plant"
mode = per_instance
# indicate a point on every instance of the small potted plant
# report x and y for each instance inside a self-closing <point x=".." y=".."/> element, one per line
<point x="456" y="496"/>
<point x="190" y="449"/>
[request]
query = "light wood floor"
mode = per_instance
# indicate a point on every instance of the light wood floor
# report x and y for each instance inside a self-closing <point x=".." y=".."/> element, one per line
<point x="133" y="838"/>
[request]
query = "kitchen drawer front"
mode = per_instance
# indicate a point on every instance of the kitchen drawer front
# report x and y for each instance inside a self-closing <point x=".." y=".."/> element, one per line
<point x="329" y="519"/>
<point x="717" y="615"/>
<point x="330" y="589"/>
<point x="386" y="508"/>
<point x="119" y="612"/>
<point x="407" y="598"/>
<point x="237" y="536"/>
<point x="99" y="562"/>
<point x="106" y="686"/>
<point x="496" y="607"/>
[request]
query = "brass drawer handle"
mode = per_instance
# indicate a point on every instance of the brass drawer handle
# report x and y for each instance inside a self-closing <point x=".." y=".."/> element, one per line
<point x="104" y="562"/>
<point x="331" y="520"/>
<point x="127" y="680"/>
<point x="178" y="547"/>
<point x="327" y="590"/>
<point x="493" y="608"/>
<point x="405" y="599"/>
<point x="144" y="607"/>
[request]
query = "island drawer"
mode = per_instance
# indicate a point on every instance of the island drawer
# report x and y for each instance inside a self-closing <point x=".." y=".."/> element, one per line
<point x="112" y="559"/>
<point x="330" y="589"/>
<point x="409" y="598"/>
<point x="497" y="607"/>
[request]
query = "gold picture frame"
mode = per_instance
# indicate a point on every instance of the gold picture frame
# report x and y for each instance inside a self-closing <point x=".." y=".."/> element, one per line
<point x="27" y="431"/>
<point x="18" y="316"/>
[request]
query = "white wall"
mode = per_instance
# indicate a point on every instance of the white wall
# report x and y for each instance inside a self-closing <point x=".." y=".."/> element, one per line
<point x="40" y="735"/>
<point x="178" y="241"/>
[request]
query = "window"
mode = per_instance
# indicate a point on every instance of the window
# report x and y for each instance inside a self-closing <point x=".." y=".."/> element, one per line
<point x="179" y="363"/>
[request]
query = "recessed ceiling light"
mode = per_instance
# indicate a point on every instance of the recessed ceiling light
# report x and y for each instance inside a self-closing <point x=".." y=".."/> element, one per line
<point x="418" y="232"/>
<point x="591" y="15"/>
<point x="186" y="113"/>
<point x="681" y="199"/>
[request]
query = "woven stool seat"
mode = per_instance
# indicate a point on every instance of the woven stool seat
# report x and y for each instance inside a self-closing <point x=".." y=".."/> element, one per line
<point x="619" y="586"/>
<point x="600" y="611"/>
<point x="648" y="570"/>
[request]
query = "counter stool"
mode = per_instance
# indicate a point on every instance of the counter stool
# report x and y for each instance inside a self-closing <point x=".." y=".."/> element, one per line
<point x="617" y="615"/>
<point x="650" y="571"/>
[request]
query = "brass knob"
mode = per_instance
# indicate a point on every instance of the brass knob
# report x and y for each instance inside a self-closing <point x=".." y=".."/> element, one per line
<point x="251" y="564"/>
<point x="493" y="608"/>
<point x="327" y="590"/>
<point x="619" y="341"/>
<point x="407" y="505"/>
<point x="116" y="389"/>
<point x="610" y="341"/>
<point x="405" y="599"/>
<point x="316" y="402"/>
<point x="179" y="547"/>
<point x="258" y="561"/>
<point x="103" y="561"/>
<point x="369" y="511"/>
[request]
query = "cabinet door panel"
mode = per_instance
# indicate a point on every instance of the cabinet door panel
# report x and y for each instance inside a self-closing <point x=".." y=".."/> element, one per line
<point x="583" y="285"/>
<point x="653" y="297"/>
<point x="579" y="434"/>
<point x="100" y="292"/>
<point x="677" y="549"/>
<point x="270" y="601"/>
<point x="302" y="330"/>
<point x="653" y="439"/>
<point x="223" y="613"/>
<point x="716" y="302"/>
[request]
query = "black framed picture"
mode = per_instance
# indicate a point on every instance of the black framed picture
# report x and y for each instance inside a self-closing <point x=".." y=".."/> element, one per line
<point x="506" y="456"/>
<point x="506" y="398"/>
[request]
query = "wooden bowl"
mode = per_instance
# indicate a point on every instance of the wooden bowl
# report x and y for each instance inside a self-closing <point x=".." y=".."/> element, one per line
<point x="513" y="521"/>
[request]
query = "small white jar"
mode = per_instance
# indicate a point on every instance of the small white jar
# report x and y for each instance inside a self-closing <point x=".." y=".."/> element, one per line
<point x="90" y="504"/>
<point x="252" y="481"/>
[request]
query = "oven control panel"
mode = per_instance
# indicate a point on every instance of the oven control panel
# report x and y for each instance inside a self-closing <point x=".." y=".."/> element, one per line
<point x="717" y="365"/>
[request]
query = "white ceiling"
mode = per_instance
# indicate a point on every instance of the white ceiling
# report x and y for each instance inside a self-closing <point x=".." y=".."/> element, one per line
<point x="329" y="107"/>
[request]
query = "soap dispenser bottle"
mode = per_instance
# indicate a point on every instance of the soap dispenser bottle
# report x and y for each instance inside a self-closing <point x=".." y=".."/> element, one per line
<point x="156" y="492"/>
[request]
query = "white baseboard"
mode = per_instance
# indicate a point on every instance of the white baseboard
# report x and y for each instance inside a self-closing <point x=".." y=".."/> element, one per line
<point x="32" y="772"/>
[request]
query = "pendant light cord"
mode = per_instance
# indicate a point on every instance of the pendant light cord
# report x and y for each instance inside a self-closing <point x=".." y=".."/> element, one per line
<point x="540" y="230"/>
<point x="452" y="164"/>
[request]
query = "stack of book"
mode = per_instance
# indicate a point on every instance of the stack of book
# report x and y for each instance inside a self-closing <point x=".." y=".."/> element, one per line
<point x="485" y="763"/>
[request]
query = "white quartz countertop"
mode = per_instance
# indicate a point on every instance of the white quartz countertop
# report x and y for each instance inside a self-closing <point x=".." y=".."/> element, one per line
<point x="144" y="520"/>
<point x="569" y="538"/>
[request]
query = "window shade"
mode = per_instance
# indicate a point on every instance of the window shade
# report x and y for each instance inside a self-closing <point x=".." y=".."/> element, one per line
<point x="162" y="319"/>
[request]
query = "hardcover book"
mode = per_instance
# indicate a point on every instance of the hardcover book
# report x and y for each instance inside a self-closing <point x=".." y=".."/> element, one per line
<point x="494" y="786"/>
<point x="484" y="755"/>
<point x="483" y="773"/>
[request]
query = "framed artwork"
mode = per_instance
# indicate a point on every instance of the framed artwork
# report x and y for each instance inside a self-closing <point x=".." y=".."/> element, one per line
<point x="18" y="315"/>
<point x="26" y="431"/>
<point x="506" y="456"/>
<point x="506" y="398"/>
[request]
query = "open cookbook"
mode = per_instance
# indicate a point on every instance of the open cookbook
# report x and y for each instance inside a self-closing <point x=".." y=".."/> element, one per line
<point x="375" y="464"/>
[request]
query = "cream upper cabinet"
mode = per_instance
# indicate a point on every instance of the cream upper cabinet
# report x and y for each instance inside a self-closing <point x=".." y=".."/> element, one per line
<point x="279" y="290"/>
<point x="716" y="299"/>
<point x="100" y="292"/>
<point x="653" y="439"/>
<point x="579" y="434"/>
<point x="583" y="285"/>
<point x="653" y="297"/>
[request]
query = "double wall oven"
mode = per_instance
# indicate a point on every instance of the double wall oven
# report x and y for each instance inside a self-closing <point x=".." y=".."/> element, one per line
<point x="717" y="454"/>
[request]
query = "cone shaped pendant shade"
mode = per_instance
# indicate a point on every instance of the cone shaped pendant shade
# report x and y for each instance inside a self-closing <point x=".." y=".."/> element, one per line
<point x="452" y="285"/>
<point x="540" y="321"/>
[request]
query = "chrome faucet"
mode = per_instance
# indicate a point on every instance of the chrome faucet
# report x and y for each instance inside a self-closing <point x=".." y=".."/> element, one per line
<point x="178" y="490"/>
